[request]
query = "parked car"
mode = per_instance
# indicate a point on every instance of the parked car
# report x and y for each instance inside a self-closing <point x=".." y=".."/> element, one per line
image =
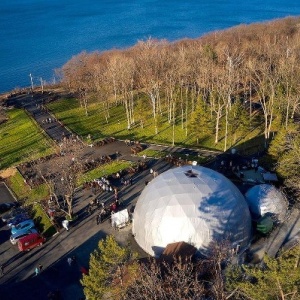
<point x="23" y="225"/>
<point x="14" y="212"/>
<point x="17" y="219"/>
<point x="15" y="237"/>
<point x="30" y="241"/>
<point x="4" y="207"/>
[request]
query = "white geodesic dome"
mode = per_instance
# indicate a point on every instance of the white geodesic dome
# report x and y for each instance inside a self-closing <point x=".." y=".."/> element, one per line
<point x="266" y="199"/>
<point x="194" y="205"/>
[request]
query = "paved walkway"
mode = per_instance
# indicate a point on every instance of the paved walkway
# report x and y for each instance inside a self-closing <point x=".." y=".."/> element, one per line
<point x="34" y="105"/>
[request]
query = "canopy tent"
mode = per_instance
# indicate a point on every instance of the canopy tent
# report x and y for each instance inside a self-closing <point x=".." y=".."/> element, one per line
<point x="120" y="219"/>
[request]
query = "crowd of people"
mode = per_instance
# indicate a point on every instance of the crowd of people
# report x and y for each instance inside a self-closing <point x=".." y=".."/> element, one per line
<point x="103" y="184"/>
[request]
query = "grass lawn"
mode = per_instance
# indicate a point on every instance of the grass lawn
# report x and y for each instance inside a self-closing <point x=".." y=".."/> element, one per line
<point x="152" y="153"/>
<point x="23" y="191"/>
<point x="73" y="116"/>
<point x="160" y="154"/>
<point x="104" y="170"/>
<point x="42" y="221"/>
<point x="21" y="140"/>
<point x="31" y="199"/>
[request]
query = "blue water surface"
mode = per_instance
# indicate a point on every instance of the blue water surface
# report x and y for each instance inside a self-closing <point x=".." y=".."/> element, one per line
<point x="38" y="36"/>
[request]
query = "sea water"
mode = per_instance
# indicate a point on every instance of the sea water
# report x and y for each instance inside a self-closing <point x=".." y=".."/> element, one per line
<point x="39" y="36"/>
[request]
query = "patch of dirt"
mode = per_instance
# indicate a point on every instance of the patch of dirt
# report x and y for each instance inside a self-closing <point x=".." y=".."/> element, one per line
<point x="8" y="172"/>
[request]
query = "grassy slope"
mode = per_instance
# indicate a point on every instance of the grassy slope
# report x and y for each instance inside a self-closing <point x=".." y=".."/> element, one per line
<point x="22" y="190"/>
<point x="107" y="169"/>
<point x="21" y="140"/>
<point x="73" y="116"/>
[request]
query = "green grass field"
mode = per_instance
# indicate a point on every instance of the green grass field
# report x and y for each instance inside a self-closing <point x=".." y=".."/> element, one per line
<point x="107" y="169"/>
<point x="21" y="140"/>
<point x="31" y="198"/>
<point x="23" y="191"/>
<point x="73" y="116"/>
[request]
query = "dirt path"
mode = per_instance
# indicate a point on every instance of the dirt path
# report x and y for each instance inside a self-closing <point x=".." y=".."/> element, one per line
<point x="8" y="172"/>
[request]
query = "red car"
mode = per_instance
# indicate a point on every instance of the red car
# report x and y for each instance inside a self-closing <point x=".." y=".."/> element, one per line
<point x="30" y="241"/>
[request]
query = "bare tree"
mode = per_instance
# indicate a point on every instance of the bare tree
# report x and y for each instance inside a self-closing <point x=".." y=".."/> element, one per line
<point x="178" y="280"/>
<point x="78" y="76"/>
<point x="150" y="57"/>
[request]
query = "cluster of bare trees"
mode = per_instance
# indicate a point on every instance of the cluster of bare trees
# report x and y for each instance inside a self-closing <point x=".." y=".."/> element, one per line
<point x="116" y="273"/>
<point x="194" y="80"/>
<point x="61" y="174"/>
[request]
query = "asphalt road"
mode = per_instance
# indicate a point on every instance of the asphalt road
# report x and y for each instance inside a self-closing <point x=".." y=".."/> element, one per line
<point x="19" y="281"/>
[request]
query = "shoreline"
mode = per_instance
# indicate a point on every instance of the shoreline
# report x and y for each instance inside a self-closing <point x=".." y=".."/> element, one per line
<point x="27" y="90"/>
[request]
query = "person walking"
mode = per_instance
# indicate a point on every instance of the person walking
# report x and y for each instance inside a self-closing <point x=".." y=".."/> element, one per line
<point x="98" y="219"/>
<point x="65" y="224"/>
<point x="37" y="271"/>
<point x="40" y="268"/>
<point x="74" y="259"/>
<point x="89" y="209"/>
<point x="116" y="195"/>
<point x="70" y="261"/>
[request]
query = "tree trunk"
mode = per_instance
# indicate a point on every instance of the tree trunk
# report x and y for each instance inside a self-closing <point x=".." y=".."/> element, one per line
<point x="226" y="127"/>
<point x="153" y="103"/>
<point x="173" y="125"/>
<point x="218" y="117"/>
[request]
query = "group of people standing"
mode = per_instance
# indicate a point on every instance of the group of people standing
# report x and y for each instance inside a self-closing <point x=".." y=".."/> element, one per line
<point x="106" y="212"/>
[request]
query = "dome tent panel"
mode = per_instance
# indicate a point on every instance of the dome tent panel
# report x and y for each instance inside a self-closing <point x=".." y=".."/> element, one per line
<point x="210" y="204"/>
<point x="265" y="199"/>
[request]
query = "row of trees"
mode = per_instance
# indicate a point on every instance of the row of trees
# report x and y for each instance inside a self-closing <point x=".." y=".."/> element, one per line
<point x="61" y="173"/>
<point x="208" y="86"/>
<point x="115" y="273"/>
<point x="212" y="80"/>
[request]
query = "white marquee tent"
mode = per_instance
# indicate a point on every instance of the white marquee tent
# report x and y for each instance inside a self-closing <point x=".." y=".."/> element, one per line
<point x="192" y="204"/>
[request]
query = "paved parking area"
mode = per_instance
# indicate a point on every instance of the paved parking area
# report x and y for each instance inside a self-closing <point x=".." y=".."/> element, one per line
<point x="5" y="194"/>
<point x="18" y="281"/>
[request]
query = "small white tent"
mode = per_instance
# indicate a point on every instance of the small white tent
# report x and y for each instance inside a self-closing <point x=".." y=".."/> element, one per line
<point x="266" y="199"/>
<point x="120" y="219"/>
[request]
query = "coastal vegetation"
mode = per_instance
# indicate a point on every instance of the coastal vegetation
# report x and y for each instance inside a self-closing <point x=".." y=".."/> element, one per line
<point x="230" y="89"/>
<point x="237" y="88"/>
<point x="117" y="273"/>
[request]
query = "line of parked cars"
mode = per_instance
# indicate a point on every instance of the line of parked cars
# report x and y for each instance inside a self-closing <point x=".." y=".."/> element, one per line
<point x="23" y="230"/>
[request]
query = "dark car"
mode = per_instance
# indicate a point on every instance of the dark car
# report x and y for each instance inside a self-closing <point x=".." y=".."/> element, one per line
<point x="10" y="215"/>
<point x="17" y="219"/>
<point x="4" y="207"/>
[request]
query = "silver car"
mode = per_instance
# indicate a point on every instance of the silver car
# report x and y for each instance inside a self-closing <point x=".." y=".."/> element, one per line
<point x="15" y="237"/>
